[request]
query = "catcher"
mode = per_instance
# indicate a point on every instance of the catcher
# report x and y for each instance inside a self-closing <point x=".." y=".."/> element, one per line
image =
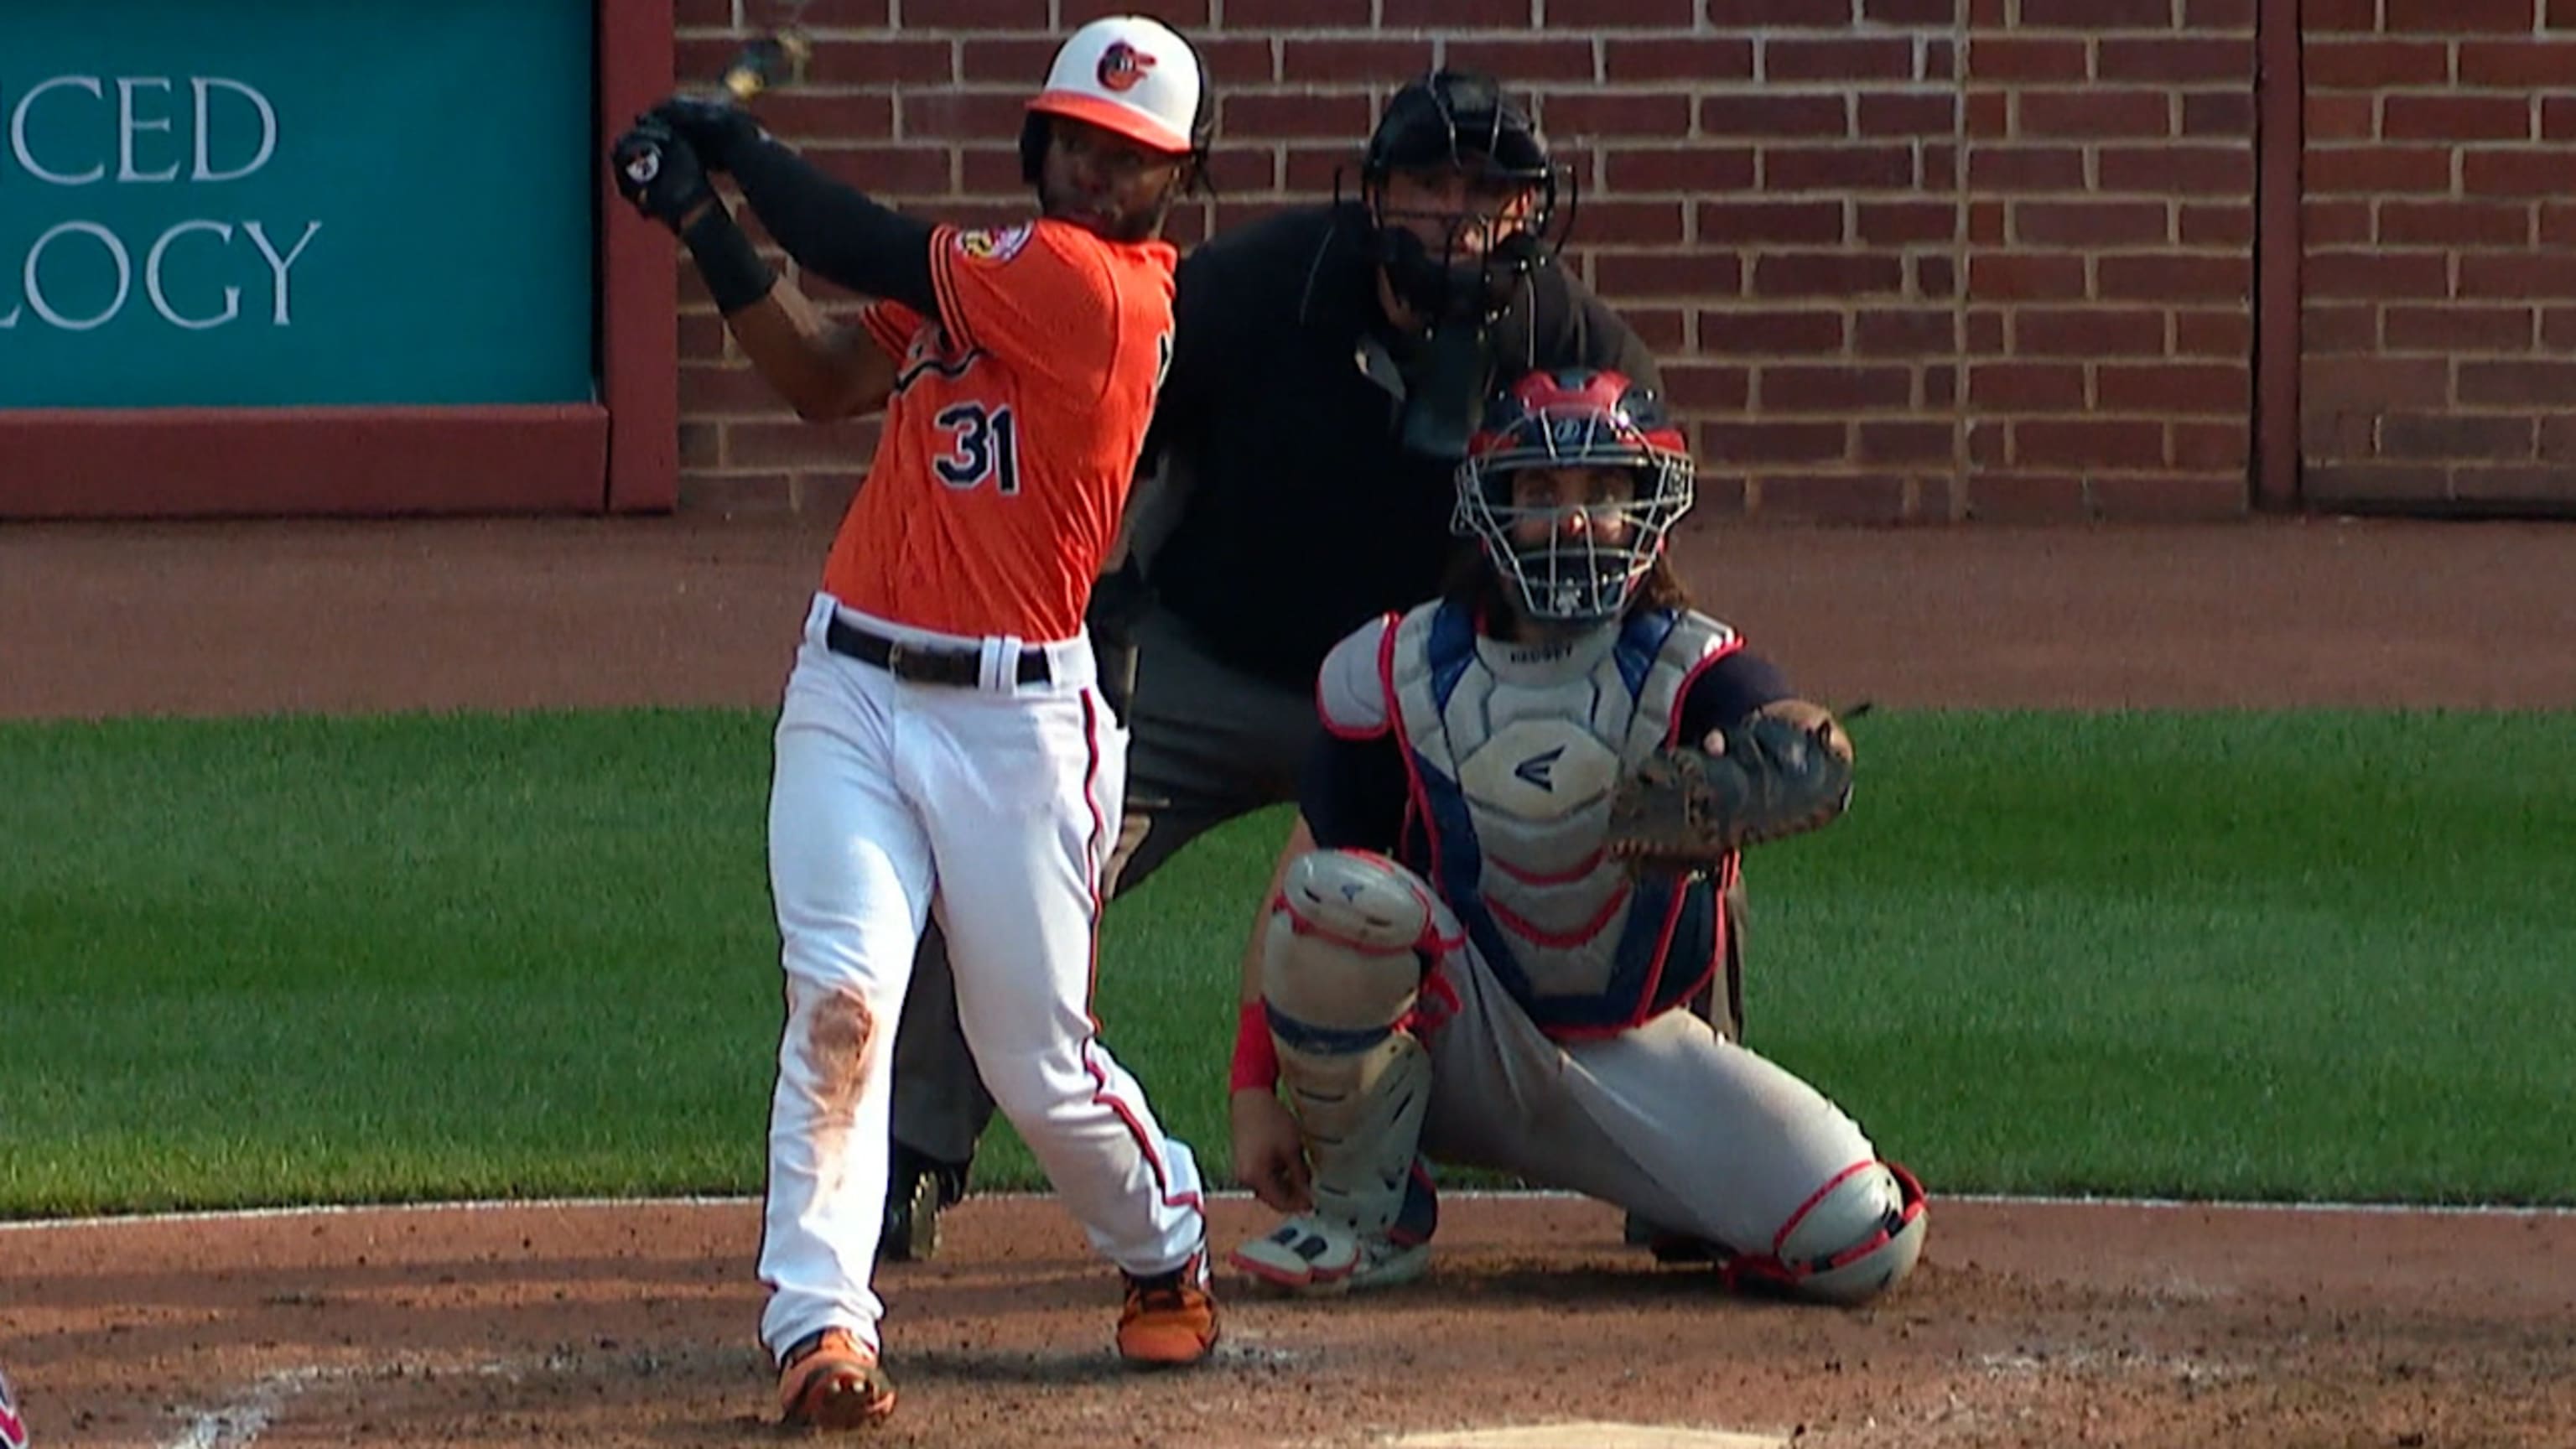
<point x="1532" y="794"/>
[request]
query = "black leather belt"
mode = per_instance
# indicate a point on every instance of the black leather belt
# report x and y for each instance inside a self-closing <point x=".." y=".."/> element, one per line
<point x="926" y="663"/>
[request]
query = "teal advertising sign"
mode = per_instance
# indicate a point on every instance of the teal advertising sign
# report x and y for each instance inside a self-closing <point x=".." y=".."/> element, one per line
<point x="296" y="202"/>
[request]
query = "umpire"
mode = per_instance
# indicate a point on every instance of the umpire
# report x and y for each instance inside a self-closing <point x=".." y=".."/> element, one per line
<point x="1328" y="365"/>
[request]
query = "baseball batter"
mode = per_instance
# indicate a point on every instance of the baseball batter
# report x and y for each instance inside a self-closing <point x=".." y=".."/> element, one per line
<point x="943" y="749"/>
<point x="1467" y="968"/>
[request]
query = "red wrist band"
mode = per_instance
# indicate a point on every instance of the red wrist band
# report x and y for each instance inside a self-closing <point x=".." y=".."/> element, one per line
<point x="1256" y="1056"/>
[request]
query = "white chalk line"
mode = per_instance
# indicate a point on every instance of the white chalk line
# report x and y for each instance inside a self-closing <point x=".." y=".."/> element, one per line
<point x="324" y="1210"/>
<point x="238" y="1424"/>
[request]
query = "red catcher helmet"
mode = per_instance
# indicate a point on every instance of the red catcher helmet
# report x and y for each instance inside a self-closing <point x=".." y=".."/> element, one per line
<point x="1576" y="418"/>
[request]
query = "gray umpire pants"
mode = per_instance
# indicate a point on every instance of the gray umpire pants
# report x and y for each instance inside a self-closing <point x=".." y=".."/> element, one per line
<point x="1206" y="743"/>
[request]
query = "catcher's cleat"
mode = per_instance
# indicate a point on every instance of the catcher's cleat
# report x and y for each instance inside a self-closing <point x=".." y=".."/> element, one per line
<point x="1170" y="1319"/>
<point x="917" y="1190"/>
<point x="829" y="1380"/>
<point x="1316" y="1257"/>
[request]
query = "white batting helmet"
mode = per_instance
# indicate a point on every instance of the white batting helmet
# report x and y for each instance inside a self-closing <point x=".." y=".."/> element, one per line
<point x="1131" y="74"/>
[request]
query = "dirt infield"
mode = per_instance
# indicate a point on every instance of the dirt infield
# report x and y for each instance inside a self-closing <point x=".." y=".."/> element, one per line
<point x="630" y="1325"/>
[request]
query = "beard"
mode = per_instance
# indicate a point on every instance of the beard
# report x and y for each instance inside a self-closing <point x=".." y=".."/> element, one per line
<point x="1100" y="216"/>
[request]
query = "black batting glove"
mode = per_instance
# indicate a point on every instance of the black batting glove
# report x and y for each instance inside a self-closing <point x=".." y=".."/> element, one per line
<point x="716" y="128"/>
<point x="659" y="174"/>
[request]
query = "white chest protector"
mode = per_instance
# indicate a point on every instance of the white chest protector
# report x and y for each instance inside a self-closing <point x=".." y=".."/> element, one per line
<point x="1513" y="754"/>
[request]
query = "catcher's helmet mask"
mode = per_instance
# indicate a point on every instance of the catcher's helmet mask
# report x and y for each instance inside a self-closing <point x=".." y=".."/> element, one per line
<point x="1460" y="121"/>
<point x="1577" y="418"/>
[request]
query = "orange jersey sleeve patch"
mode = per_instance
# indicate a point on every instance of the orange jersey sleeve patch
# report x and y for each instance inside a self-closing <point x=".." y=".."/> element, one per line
<point x="1038" y="293"/>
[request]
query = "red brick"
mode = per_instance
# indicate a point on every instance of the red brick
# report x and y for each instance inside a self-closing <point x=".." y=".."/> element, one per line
<point x="2098" y="14"/>
<point x="2521" y="64"/>
<point x="1629" y="113"/>
<point x="1873" y="58"/>
<point x="2562" y="15"/>
<point x="2333" y="15"/>
<point x="2090" y="223"/>
<point x="1245" y="115"/>
<point x="1701" y="388"/>
<point x="2452" y="435"/>
<point x="2212" y="445"/>
<point x="2088" y="332"/>
<point x="2027" y="387"/>
<point x="2174" y="60"/>
<point x="2557" y="223"/>
<point x="1028" y="15"/>
<point x="727" y="391"/>
<point x="962" y="115"/>
<point x="2211" y="16"/>
<point x="1825" y="274"/>
<point x="1631" y="223"/>
<point x="1669" y="274"/>
<point x="1989" y="443"/>
<point x="1189" y="17"/>
<point x="2376" y="274"/>
<point x="2525" y="275"/>
<point x="2472" y="483"/>
<point x="2347" y="483"/>
<point x="1623" y="14"/>
<point x="1310" y="169"/>
<point x="2327" y="117"/>
<point x="2558" y="437"/>
<point x="1014" y="60"/>
<point x="1910" y="12"/>
<point x="2228" y="333"/>
<point x="2375" y="64"/>
<point x="1935" y="275"/>
<point x="2218" y="113"/>
<point x="2009" y="57"/>
<point x="1985" y="331"/>
<point x="2173" y="497"/>
<point x="794" y="444"/>
<point x="1524" y="62"/>
<point x="1837" y="168"/>
<point x="1349" y="62"/>
<point x="2093" y="113"/>
<point x="2009" y="277"/>
<point x="1772" y="442"/>
<point x="1770" y="14"/>
<point x="2026" y="498"/>
<point x="702" y="336"/>
<point x="1236" y="60"/>
<point x="1770" y="333"/>
<point x="888" y="170"/>
<point x="984" y="170"/>
<point x="2373" y="170"/>
<point x="2453" y="17"/>
<point x="1663" y="329"/>
<point x="2173" y="278"/>
<point x="1986" y="223"/>
<point x="2174" y="387"/>
<point x="1257" y="15"/>
<point x="2455" y="117"/>
<point x="703" y="14"/>
<point x="1771" y="221"/>
<point x="1679" y="168"/>
<point x="1902" y="223"/>
<point x="2088" y="443"/>
<point x="1906" y="442"/>
<point x="2517" y="382"/>
<point x="1681" y="58"/>
<point x="1908" y="115"/>
<point x="831" y="14"/>
<point x="808" y="117"/>
<point x="1835" y="498"/>
<point x="2455" y="223"/>
<point x="1941" y="385"/>
<point x="1906" y="332"/>
<point x="1788" y="115"/>
<point x="2218" y="225"/>
<point x="2025" y="168"/>
<point x="2374" y="384"/>
<point x="896" y="60"/>
<point x="2514" y="173"/>
<point x="2557" y="118"/>
<point x="2328" y="223"/>
<point x="2177" y="170"/>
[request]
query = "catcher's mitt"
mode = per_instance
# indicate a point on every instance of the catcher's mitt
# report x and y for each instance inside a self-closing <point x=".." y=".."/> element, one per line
<point x="1683" y="809"/>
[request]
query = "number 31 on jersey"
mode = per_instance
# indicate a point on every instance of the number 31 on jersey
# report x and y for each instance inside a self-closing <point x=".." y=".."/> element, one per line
<point x="983" y="447"/>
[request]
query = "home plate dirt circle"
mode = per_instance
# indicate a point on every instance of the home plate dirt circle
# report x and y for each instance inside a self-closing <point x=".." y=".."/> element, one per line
<point x="1590" y="1436"/>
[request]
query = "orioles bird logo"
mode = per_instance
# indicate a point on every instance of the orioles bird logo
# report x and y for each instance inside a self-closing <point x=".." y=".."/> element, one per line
<point x="1123" y="65"/>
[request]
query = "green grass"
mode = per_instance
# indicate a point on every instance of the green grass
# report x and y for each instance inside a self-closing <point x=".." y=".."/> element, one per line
<point x="2241" y="955"/>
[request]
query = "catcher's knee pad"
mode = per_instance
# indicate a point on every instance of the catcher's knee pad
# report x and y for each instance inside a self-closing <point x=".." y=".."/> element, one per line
<point x="1341" y="966"/>
<point x="1858" y="1237"/>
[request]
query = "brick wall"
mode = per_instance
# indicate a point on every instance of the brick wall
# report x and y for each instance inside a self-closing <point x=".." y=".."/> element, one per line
<point x="2440" y="252"/>
<point x="1904" y="259"/>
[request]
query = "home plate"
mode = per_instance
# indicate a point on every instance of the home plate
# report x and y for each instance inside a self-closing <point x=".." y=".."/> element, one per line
<point x="1588" y="1436"/>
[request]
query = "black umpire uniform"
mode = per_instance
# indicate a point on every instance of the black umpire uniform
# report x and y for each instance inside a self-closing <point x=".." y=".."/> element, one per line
<point x="1302" y="455"/>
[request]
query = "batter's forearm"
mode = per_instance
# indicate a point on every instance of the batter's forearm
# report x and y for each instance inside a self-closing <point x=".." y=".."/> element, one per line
<point x="823" y="369"/>
<point x="834" y="231"/>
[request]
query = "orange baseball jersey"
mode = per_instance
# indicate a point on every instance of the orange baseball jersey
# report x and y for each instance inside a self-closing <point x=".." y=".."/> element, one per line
<point x="1012" y="436"/>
